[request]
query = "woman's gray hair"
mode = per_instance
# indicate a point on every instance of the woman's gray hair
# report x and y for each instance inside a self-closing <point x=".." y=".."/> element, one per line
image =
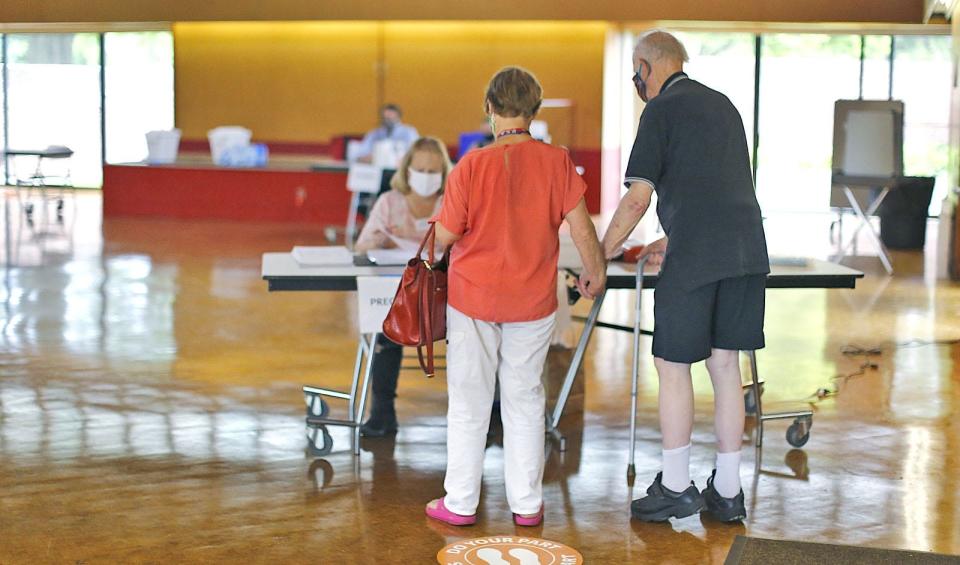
<point x="657" y="45"/>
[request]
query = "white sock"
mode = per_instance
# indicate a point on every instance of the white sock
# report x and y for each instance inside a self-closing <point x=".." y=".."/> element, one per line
<point x="676" y="468"/>
<point x="727" y="481"/>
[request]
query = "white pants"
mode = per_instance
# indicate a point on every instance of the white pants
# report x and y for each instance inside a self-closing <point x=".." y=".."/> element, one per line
<point x="477" y="352"/>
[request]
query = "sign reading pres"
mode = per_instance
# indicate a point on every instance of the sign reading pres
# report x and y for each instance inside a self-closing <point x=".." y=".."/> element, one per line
<point x="508" y="550"/>
<point x="375" y="295"/>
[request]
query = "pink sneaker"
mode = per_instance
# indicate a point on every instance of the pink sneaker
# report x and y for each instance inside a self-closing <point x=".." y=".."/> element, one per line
<point x="534" y="520"/>
<point x="436" y="510"/>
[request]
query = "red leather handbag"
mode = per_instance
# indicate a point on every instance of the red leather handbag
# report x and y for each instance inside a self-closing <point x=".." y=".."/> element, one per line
<point x="418" y="316"/>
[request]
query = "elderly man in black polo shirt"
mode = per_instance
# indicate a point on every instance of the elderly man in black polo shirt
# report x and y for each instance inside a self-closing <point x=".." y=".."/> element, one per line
<point x="709" y="302"/>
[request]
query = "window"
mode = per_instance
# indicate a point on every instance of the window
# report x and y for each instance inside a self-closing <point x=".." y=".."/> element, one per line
<point x="53" y="98"/>
<point x="52" y="89"/>
<point x="922" y="77"/>
<point x="139" y="91"/>
<point x="801" y="76"/>
<point x="3" y="125"/>
<point x="725" y="62"/>
<point x="876" y="67"/>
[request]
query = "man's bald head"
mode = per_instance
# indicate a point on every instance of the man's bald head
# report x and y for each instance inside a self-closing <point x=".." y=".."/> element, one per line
<point x="657" y="56"/>
<point x="659" y="46"/>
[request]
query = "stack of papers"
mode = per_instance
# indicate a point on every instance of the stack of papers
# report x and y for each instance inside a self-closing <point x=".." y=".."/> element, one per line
<point x="322" y="256"/>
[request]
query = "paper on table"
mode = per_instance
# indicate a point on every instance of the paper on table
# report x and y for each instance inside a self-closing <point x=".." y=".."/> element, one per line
<point x="322" y="256"/>
<point x="397" y="256"/>
<point x="407" y="245"/>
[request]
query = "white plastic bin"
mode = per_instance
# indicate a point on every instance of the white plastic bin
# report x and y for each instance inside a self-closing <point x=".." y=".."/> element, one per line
<point x="225" y="137"/>
<point x="162" y="146"/>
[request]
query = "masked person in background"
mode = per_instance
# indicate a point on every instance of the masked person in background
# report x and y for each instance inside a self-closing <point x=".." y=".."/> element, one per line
<point x="401" y="213"/>
<point x="391" y="129"/>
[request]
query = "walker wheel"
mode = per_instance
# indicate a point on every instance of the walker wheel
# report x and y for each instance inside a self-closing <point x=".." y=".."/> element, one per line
<point x="321" y="435"/>
<point x="316" y="406"/>
<point x="799" y="432"/>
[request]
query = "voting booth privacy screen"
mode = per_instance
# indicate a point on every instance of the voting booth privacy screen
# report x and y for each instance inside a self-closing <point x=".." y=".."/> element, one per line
<point x="867" y="147"/>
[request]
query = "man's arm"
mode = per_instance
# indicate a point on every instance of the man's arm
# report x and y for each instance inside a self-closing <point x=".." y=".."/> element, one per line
<point x="594" y="275"/>
<point x="629" y="212"/>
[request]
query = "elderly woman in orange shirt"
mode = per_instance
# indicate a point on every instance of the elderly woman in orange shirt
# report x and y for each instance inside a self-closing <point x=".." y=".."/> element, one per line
<point x="502" y="210"/>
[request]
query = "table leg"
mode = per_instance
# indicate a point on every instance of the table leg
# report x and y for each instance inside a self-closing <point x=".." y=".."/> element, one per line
<point x="575" y="363"/>
<point x="358" y="364"/>
<point x="370" y="348"/>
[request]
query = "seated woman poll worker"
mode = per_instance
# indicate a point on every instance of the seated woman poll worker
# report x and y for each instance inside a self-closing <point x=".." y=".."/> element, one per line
<point x="401" y="213"/>
<point x="502" y="210"/>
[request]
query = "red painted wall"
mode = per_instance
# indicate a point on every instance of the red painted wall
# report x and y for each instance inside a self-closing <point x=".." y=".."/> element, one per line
<point x="227" y="194"/>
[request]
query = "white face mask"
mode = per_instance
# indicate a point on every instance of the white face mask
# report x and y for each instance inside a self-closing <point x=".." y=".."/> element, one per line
<point x="424" y="184"/>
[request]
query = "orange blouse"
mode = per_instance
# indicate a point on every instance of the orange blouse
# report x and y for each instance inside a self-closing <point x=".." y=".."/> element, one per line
<point x="507" y="203"/>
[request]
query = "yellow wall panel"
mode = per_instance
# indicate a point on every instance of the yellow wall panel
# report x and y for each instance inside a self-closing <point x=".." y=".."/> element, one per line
<point x="308" y="82"/>
<point x="284" y="81"/>
<point x="438" y="71"/>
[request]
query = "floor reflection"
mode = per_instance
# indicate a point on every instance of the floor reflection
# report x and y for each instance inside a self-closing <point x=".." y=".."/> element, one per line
<point x="150" y="411"/>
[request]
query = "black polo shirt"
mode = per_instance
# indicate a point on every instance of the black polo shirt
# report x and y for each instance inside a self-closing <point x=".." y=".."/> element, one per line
<point x="691" y="147"/>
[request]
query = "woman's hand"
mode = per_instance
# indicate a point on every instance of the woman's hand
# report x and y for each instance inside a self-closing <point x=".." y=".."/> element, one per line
<point x="376" y="240"/>
<point x="590" y="284"/>
<point x="654" y="252"/>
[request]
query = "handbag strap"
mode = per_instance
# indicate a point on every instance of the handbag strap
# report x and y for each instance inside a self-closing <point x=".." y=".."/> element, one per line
<point x="426" y="324"/>
<point x="429" y="239"/>
<point x="426" y="302"/>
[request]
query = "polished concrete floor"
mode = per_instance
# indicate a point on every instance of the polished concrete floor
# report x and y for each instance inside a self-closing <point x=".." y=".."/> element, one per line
<point x="150" y="412"/>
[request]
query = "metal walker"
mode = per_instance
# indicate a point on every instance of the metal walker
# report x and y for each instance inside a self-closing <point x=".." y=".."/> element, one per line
<point x="797" y="434"/>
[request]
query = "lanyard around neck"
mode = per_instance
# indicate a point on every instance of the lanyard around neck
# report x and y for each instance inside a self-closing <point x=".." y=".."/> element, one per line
<point x="514" y="131"/>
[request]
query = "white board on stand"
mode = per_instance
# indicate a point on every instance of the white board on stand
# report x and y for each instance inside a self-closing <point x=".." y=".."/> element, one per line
<point x="869" y="145"/>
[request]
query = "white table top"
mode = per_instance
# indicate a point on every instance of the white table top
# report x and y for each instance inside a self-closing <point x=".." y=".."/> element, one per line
<point x="282" y="272"/>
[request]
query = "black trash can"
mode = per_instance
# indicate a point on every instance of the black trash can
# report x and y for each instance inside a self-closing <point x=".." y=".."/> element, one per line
<point x="903" y="214"/>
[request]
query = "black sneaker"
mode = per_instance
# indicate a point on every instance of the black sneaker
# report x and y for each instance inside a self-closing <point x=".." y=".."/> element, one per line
<point x="723" y="509"/>
<point x="378" y="429"/>
<point x="661" y="503"/>
<point x="382" y="422"/>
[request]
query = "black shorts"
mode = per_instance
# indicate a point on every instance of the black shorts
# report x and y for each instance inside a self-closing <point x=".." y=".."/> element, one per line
<point x="726" y="314"/>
